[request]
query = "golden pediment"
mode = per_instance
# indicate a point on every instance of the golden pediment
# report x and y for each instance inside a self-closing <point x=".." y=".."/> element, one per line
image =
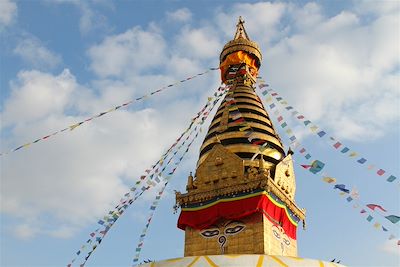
<point x="284" y="176"/>
<point x="221" y="167"/>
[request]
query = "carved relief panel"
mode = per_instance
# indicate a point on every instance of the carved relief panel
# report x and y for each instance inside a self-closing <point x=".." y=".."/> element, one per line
<point x="284" y="176"/>
<point x="220" y="168"/>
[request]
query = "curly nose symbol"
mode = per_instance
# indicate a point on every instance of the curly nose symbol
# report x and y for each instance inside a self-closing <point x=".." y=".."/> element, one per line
<point x="222" y="241"/>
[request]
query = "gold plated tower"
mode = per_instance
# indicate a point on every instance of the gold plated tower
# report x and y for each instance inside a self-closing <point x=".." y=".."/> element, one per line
<point x="241" y="198"/>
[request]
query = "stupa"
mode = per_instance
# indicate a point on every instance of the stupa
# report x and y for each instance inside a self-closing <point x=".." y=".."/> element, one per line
<point x="239" y="208"/>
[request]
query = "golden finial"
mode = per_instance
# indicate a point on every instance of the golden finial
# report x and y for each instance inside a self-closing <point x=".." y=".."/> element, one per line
<point x="240" y="30"/>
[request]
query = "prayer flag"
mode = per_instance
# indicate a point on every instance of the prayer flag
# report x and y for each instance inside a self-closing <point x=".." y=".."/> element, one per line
<point x="337" y="145"/>
<point x="302" y="150"/>
<point x="384" y="229"/>
<point x="363" y="211"/>
<point x="306" y="166"/>
<point x="279" y="98"/>
<point x="244" y="128"/>
<point x="272" y="106"/>
<point x="342" y="188"/>
<point x="283" y="125"/>
<point x="289" y="131"/>
<point x="391" y="178"/>
<point x="274" y="94"/>
<point x="377" y="225"/>
<point x="308" y="156"/>
<point x="374" y="206"/>
<point x="329" y="180"/>
<point x="307" y="122"/>
<point x="280" y="118"/>
<point x="393" y="218"/>
<point x="362" y="160"/>
<point x="300" y="117"/>
<point x="321" y="133"/>
<point x="264" y="92"/>
<point x="349" y="199"/>
<point x="369" y="218"/>
<point x="289" y="107"/>
<point x="352" y="154"/>
<point x="316" y="166"/>
<point x="344" y="150"/>
<point x="292" y="138"/>
<point x="100" y="222"/>
<point x="380" y="172"/>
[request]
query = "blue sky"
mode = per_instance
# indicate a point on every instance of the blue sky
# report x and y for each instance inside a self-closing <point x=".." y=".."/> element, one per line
<point x="337" y="62"/>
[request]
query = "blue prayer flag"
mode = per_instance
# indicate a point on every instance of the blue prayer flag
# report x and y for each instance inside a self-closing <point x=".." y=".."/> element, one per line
<point x="321" y="133"/>
<point x="393" y="218"/>
<point x="361" y="161"/>
<point x="307" y="156"/>
<point x="344" y="150"/>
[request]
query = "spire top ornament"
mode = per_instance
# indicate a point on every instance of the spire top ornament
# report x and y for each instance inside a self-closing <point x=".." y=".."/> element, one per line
<point x="240" y="30"/>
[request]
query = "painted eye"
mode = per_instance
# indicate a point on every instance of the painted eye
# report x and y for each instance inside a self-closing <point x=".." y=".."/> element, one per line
<point x="286" y="241"/>
<point x="276" y="234"/>
<point x="210" y="233"/>
<point x="234" y="230"/>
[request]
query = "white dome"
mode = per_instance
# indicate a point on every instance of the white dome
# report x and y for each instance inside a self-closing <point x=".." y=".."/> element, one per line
<point x="241" y="261"/>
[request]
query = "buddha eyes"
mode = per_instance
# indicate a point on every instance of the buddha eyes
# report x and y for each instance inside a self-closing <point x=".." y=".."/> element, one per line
<point x="210" y="233"/>
<point x="234" y="230"/>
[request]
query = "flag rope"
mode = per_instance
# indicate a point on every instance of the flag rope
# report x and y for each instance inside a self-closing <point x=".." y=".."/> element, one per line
<point x="316" y="166"/>
<point x="109" y="220"/>
<point x="334" y="143"/>
<point x="124" y="105"/>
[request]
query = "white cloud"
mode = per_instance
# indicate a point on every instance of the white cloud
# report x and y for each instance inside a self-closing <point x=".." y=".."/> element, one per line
<point x="32" y="51"/>
<point x="132" y="51"/>
<point x="8" y="12"/>
<point x="181" y="15"/>
<point x="337" y="69"/>
<point x="36" y="95"/>
<point x="202" y="43"/>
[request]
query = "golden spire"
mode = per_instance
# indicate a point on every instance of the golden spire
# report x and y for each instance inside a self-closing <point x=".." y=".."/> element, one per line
<point x="240" y="30"/>
<point x="241" y="42"/>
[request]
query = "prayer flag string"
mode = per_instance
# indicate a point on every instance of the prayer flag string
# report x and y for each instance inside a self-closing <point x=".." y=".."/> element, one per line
<point x="150" y="178"/>
<point x="124" y="105"/>
<point x="316" y="166"/>
<point x="335" y="144"/>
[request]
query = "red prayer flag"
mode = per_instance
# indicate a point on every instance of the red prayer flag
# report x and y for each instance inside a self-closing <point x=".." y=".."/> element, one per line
<point x="380" y="172"/>
<point x="374" y="206"/>
<point x="337" y="145"/>
<point x="306" y="166"/>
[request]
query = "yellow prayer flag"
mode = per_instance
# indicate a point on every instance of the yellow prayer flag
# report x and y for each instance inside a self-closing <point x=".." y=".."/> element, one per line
<point x="244" y="128"/>
<point x="268" y="99"/>
<point x="26" y="145"/>
<point x="329" y="180"/>
<point x="314" y="128"/>
<point x="289" y="131"/>
<point x="72" y="127"/>
<point x="284" y="102"/>
<point x="353" y="154"/>
<point x="377" y="225"/>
